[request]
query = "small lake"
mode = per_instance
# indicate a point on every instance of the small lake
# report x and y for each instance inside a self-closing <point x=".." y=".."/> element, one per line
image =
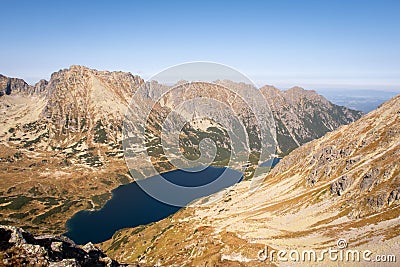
<point x="130" y="206"/>
<point x="271" y="162"/>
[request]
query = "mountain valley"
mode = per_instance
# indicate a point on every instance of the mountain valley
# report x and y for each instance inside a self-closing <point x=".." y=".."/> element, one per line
<point x="61" y="141"/>
<point x="343" y="186"/>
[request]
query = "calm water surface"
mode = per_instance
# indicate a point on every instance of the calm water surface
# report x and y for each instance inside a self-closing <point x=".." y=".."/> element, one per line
<point x="130" y="206"/>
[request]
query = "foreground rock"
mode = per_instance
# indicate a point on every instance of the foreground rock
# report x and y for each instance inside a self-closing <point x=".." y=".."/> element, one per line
<point x="20" y="248"/>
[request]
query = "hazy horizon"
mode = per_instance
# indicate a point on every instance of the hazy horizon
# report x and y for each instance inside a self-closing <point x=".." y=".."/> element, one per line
<point x="312" y="44"/>
<point x="259" y="84"/>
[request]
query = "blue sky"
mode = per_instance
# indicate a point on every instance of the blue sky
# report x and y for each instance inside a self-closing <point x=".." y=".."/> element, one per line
<point x="314" y="44"/>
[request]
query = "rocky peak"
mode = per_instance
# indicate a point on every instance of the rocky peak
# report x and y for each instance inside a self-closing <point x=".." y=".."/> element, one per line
<point x="81" y="76"/>
<point x="298" y="90"/>
<point x="269" y="89"/>
<point x="10" y="86"/>
<point x="297" y="94"/>
<point x="80" y="98"/>
<point x="40" y="86"/>
<point x="78" y="109"/>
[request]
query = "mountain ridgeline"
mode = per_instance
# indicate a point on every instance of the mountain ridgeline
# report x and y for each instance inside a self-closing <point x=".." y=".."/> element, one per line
<point x="82" y="103"/>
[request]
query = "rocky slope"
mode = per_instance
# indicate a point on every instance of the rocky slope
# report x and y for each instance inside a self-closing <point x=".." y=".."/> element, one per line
<point x="298" y="115"/>
<point x="21" y="248"/>
<point x="61" y="148"/>
<point x="344" y="185"/>
<point x="303" y="115"/>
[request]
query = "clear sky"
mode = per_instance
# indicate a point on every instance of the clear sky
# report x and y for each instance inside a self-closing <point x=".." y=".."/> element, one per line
<point x="314" y="44"/>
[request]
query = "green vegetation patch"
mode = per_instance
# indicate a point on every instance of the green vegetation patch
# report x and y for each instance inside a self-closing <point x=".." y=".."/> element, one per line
<point x="116" y="244"/>
<point x="59" y="209"/>
<point x="123" y="179"/>
<point x="161" y="233"/>
<point x="100" y="134"/>
<point x="100" y="200"/>
<point x="106" y="182"/>
<point x="19" y="215"/>
<point x="16" y="202"/>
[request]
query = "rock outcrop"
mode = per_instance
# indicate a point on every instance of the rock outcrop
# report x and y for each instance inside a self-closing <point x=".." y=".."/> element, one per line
<point x="21" y="248"/>
<point x="10" y="86"/>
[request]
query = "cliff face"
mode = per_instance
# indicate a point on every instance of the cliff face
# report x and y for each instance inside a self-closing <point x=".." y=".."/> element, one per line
<point x="13" y="85"/>
<point x="77" y="100"/>
<point x="344" y="185"/>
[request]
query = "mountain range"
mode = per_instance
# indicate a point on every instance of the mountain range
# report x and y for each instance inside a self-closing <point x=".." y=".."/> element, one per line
<point x="61" y="152"/>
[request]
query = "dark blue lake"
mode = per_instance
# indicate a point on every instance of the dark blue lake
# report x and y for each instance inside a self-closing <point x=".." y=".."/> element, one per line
<point x="130" y="206"/>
